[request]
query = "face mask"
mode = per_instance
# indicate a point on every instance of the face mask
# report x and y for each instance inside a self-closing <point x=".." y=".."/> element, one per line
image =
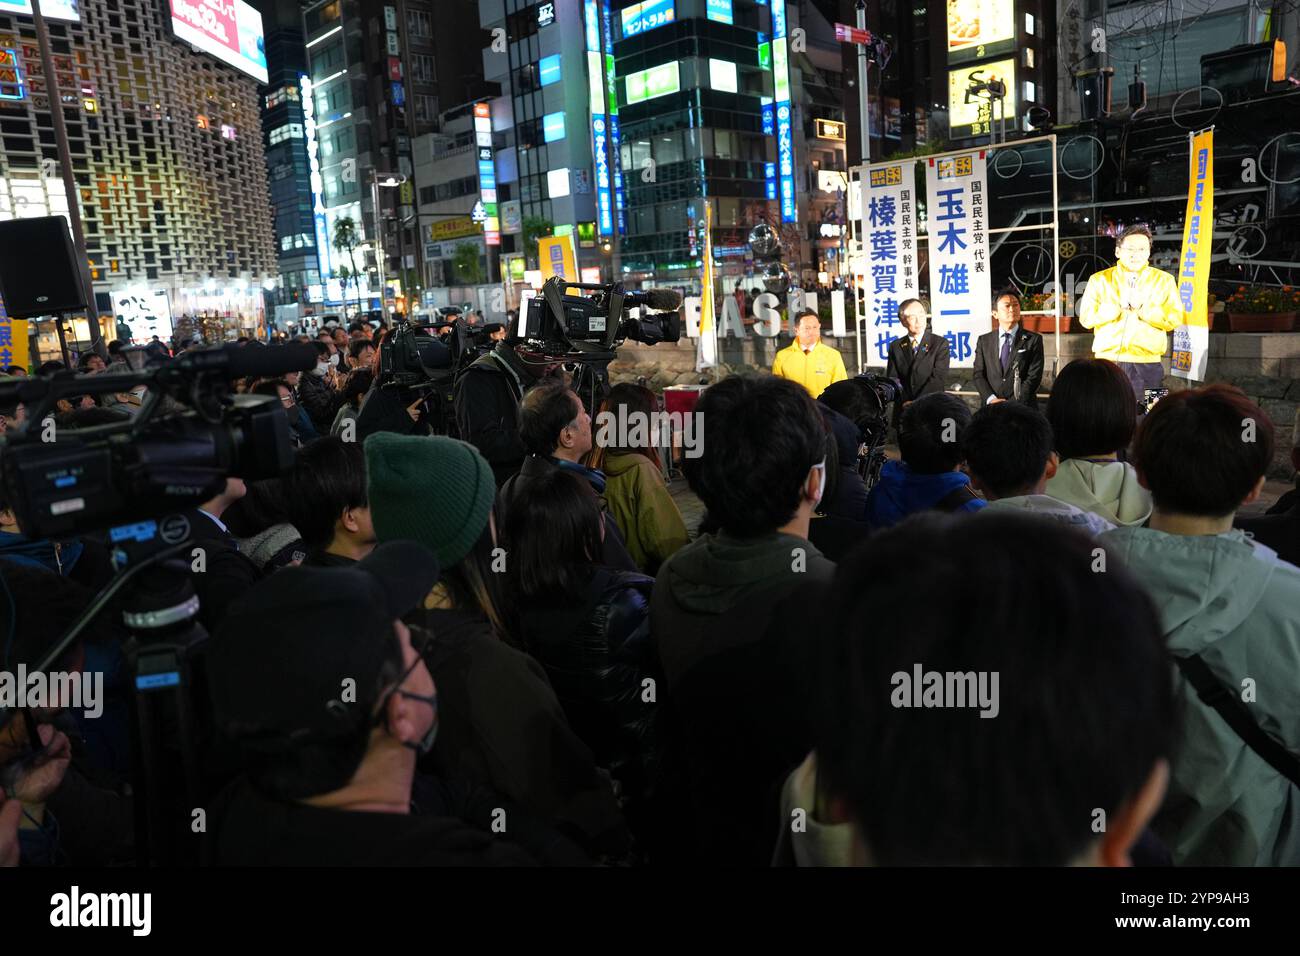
<point x="425" y="743"/>
<point x="334" y="360"/>
<point x="821" y="482"/>
<point x="320" y="370"/>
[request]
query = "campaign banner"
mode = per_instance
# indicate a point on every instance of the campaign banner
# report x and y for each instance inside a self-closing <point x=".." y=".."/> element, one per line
<point x="956" y="188"/>
<point x="889" y="239"/>
<point x="1192" y="339"/>
<point x="557" y="257"/>
<point x="706" y="354"/>
<point x="13" y="340"/>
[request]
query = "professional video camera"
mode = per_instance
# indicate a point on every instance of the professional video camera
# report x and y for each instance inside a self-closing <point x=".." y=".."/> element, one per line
<point x="560" y="324"/>
<point x="870" y="396"/>
<point x="93" y="478"/>
<point x="138" y="479"/>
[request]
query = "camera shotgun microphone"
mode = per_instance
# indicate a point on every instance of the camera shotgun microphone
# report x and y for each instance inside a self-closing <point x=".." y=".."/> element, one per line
<point x="661" y="300"/>
<point x="237" y="361"/>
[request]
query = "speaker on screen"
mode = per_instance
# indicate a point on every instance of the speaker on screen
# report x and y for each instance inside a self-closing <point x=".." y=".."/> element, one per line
<point x="38" y="267"/>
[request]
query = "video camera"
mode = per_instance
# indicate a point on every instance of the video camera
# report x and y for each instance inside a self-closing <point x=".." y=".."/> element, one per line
<point x="561" y="324"/>
<point x="155" y="464"/>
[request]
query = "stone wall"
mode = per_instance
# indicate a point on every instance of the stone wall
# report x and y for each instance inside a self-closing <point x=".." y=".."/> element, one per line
<point x="1265" y="366"/>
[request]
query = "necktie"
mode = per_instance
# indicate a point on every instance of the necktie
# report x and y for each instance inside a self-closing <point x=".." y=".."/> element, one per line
<point x="1006" y="350"/>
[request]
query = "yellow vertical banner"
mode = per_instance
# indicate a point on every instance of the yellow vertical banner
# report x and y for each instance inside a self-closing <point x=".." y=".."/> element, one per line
<point x="13" y="341"/>
<point x="556" y="256"/>
<point x="1191" y="344"/>
<point x="706" y="354"/>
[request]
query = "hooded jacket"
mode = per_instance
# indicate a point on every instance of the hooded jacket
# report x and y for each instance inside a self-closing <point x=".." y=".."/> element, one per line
<point x="643" y="509"/>
<point x="901" y="492"/>
<point x="1106" y="488"/>
<point x="1234" y="604"/>
<point x="731" y="618"/>
<point x="56" y="556"/>
<point x="1046" y="506"/>
<point x="1140" y="336"/>
<point x="487" y="401"/>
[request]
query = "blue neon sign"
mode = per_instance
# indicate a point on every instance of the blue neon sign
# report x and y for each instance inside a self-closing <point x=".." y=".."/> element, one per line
<point x="549" y="69"/>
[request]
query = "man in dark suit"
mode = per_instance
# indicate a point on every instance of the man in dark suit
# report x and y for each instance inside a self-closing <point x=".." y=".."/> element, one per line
<point x="224" y="573"/>
<point x="1008" y="360"/>
<point x="919" y="359"/>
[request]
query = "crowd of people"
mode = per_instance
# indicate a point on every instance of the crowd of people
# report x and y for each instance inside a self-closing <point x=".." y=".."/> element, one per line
<point x="1042" y="638"/>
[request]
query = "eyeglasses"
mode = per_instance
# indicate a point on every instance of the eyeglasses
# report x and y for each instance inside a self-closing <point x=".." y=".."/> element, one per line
<point x="287" y="401"/>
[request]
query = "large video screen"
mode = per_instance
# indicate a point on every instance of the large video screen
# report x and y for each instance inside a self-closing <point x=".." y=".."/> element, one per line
<point x="52" y="9"/>
<point x="230" y="30"/>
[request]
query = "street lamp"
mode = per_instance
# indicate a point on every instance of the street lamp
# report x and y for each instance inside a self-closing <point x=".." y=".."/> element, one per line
<point x="389" y="181"/>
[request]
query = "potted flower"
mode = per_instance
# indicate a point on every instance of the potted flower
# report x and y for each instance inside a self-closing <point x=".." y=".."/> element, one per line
<point x="1262" y="308"/>
<point x="1036" y="313"/>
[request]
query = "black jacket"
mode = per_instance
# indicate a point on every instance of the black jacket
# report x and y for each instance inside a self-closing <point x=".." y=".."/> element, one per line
<point x="1024" y="372"/>
<point x="922" y="371"/>
<point x="597" y="651"/>
<point x="487" y="410"/>
<point x="500" y="725"/>
<point x="384" y="410"/>
<point x="615" y="555"/>
<point x="321" y="402"/>
<point x="227" y="574"/>
<point x="1281" y="532"/>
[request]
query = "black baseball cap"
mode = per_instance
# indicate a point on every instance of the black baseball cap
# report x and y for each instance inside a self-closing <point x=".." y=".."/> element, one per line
<point x="278" y="662"/>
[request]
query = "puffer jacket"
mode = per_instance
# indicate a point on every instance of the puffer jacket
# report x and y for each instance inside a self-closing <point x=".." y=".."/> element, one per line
<point x="320" y="400"/>
<point x="597" y="652"/>
<point x="1130" y="337"/>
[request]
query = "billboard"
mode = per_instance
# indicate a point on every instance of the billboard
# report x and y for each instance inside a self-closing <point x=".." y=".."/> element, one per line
<point x="976" y="117"/>
<point x="656" y="81"/>
<point x="51" y="9"/>
<point x="230" y="30"/>
<point x="146" y="313"/>
<point x="646" y="16"/>
<point x="980" y="28"/>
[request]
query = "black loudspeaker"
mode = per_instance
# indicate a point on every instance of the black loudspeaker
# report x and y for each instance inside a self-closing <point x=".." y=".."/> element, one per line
<point x="38" y="268"/>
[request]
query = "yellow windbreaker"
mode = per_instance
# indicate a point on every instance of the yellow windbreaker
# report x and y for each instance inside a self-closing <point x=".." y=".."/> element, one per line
<point x="814" y="372"/>
<point x="1140" y="335"/>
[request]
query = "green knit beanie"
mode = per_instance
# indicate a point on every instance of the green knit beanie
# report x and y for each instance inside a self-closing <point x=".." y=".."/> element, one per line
<point x="435" y="491"/>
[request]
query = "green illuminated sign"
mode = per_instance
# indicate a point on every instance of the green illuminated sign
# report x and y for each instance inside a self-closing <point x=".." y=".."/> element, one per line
<point x="656" y="81"/>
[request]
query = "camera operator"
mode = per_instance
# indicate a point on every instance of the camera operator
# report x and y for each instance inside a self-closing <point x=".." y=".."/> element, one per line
<point x="228" y="573"/>
<point x="393" y="408"/>
<point x="487" y="405"/>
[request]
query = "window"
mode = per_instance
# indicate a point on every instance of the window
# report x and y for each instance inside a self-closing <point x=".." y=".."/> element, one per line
<point x="418" y="23"/>
<point x="288" y="131"/>
<point x="426" y="108"/>
<point x="422" y="68"/>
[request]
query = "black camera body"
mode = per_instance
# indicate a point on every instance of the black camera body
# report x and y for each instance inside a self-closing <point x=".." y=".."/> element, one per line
<point x="556" y="323"/>
<point x="410" y="356"/>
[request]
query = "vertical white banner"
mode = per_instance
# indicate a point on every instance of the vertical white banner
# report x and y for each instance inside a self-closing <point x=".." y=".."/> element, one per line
<point x="955" y="188"/>
<point x="889" y="251"/>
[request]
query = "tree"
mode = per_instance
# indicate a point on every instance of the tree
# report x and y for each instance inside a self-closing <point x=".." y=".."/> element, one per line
<point x="465" y="264"/>
<point x="534" y="228"/>
<point x="346" y="240"/>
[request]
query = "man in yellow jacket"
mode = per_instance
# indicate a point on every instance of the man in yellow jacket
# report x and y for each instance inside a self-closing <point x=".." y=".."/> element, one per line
<point x="806" y="360"/>
<point x="1132" y="308"/>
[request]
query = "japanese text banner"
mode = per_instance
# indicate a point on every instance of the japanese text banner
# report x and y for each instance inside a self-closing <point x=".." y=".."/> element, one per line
<point x="889" y="243"/>
<point x="1192" y="338"/>
<point x="956" y="190"/>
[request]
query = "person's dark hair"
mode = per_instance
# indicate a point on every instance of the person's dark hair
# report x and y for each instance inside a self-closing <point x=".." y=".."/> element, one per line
<point x="552" y="533"/>
<point x="1091" y="409"/>
<point x="16" y="368"/>
<point x="926" y="441"/>
<point x="547" y="408"/>
<point x="804" y="314"/>
<point x="624" y="399"/>
<point x="114" y="347"/>
<point x="327" y="476"/>
<point x="308" y="768"/>
<point x="1006" y="447"/>
<point x="357" y="346"/>
<point x="358" y="383"/>
<point x="322" y="350"/>
<point x="1137" y="229"/>
<point x="762" y="435"/>
<point x="262" y="506"/>
<point x="325" y="334"/>
<point x="271" y="387"/>
<point x="1193" y="452"/>
<point x="473" y="583"/>
<point x="50" y="367"/>
<point x="357" y="327"/>
<point x="1085" y="709"/>
<point x="1004" y="294"/>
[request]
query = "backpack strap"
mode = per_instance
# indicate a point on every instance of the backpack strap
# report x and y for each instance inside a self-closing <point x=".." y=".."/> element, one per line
<point x="1217" y="695"/>
<point x="956" y="498"/>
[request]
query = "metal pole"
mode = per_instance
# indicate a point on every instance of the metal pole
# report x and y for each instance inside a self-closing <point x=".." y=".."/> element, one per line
<point x="69" y="181"/>
<point x="864" y="112"/>
<point x="379" y="244"/>
<point x="1056" y="259"/>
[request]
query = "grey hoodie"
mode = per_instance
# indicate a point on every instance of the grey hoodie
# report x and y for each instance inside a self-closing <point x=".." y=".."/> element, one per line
<point x="1106" y="488"/>
<point x="1236" y="605"/>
